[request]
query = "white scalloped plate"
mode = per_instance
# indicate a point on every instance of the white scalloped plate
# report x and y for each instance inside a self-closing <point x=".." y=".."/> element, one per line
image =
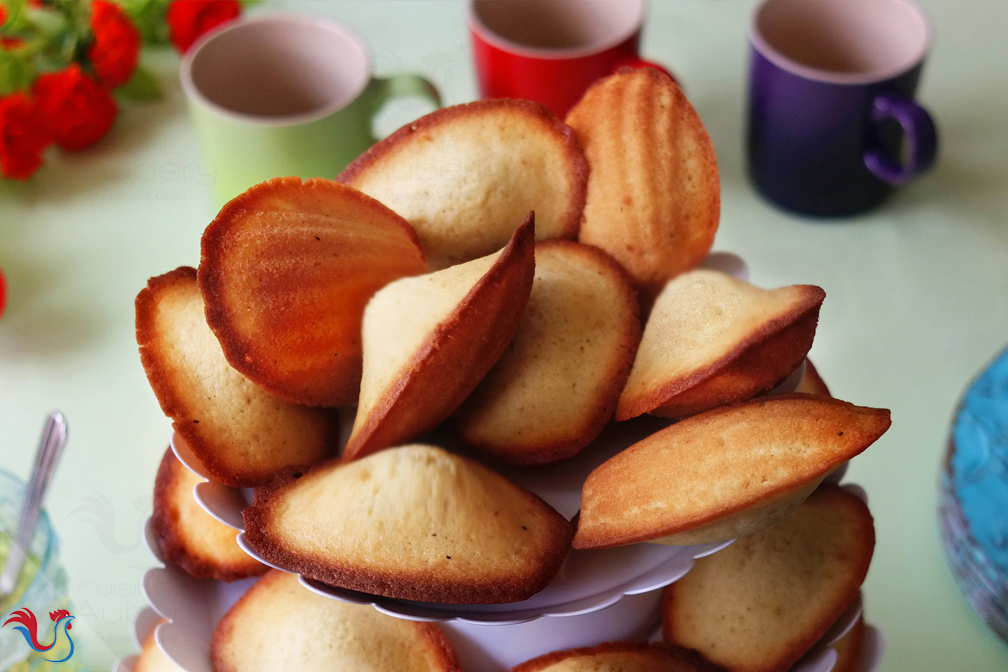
<point x="193" y="608"/>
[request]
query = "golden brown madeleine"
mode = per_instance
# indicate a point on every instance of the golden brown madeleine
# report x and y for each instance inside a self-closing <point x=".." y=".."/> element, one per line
<point x="465" y="176"/>
<point x="286" y="270"/>
<point x="189" y="536"/>
<point x="281" y="625"/>
<point x="429" y="340"/>
<point x="151" y="659"/>
<point x="556" y="385"/>
<point x="654" y="198"/>
<point x="413" y="522"/>
<point x="811" y="383"/>
<point x="618" y="657"/>
<point x="849" y="648"/>
<point x="724" y="473"/>
<point x="713" y="340"/>
<point x="761" y="603"/>
<point x="241" y="434"/>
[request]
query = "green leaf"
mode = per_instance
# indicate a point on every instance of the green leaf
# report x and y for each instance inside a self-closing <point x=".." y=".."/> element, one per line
<point x="148" y="16"/>
<point x="16" y="12"/>
<point x="143" y="87"/>
<point x="16" y="71"/>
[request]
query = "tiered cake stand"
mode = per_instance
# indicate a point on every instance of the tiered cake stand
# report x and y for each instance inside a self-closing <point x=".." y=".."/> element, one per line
<point x="598" y="595"/>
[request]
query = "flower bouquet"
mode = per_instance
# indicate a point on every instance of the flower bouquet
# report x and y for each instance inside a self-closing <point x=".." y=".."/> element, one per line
<point x="61" y="61"/>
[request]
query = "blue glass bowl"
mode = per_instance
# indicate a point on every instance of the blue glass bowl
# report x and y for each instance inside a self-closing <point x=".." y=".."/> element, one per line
<point x="43" y="585"/>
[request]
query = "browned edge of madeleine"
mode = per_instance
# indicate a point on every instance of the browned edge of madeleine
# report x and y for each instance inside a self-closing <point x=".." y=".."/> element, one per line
<point x="518" y="256"/>
<point x="173" y="545"/>
<point x="648" y="402"/>
<point x="679" y="659"/>
<point x="881" y="423"/>
<point x="172" y="405"/>
<point x="418" y="586"/>
<point x="757" y="370"/>
<point x="838" y="494"/>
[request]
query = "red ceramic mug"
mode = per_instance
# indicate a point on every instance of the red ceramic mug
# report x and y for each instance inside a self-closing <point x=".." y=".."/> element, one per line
<point x="550" y="51"/>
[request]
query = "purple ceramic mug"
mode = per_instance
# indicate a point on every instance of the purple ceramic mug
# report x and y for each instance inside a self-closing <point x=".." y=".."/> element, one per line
<point x="832" y="122"/>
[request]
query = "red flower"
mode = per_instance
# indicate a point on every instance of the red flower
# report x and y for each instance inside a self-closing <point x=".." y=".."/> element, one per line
<point x="116" y="44"/>
<point x="3" y="13"/>
<point x="10" y="43"/>
<point x="77" y="109"/>
<point x="23" y="137"/>
<point x="189" y="19"/>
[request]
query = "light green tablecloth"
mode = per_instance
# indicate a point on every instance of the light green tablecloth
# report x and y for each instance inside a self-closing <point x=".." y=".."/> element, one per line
<point x="917" y="298"/>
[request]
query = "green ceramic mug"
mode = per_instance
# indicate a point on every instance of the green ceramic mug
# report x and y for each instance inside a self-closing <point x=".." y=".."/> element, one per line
<point x="282" y="95"/>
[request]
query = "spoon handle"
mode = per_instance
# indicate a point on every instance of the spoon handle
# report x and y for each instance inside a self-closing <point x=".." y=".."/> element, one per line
<point x="50" y="448"/>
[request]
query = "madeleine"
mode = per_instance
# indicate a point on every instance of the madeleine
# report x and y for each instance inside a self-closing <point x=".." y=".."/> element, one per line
<point x="465" y="176"/>
<point x="241" y="434"/>
<point x="556" y="385"/>
<point x="654" y="197"/>
<point x="189" y="536"/>
<point x="761" y="603"/>
<point x="285" y="272"/>
<point x="281" y="625"/>
<point x="723" y="474"/>
<point x="618" y="657"/>
<point x="430" y="339"/>
<point x="713" y="340"/>
<point x="415" y="523"/>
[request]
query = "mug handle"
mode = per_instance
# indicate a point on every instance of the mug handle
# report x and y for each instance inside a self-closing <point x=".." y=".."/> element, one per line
<point x="921" y="138"/>
<point x="397" y="86"/>
<point x="637" y="62"/>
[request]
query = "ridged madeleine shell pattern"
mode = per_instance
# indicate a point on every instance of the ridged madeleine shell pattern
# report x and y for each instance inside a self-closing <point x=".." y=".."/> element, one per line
<point x="654" y="196"/>
<point x="286" y="270"/>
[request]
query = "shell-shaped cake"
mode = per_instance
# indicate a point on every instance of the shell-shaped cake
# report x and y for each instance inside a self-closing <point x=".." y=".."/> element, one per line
<point x="654" y="198"/>
<point x="413" y="522"/>
<point x="188" y="536"/>
<point x="240" y="434"/>
<point x="465" y="176"/>
<point x="713" y="340"/>
<point x="723" y="474"/>
<point x="428" y="341"/>
<point x="286" y="270"/>
<point x="281" y="625"/>
<point x="618" y="657"/>
<point x="556" y="385"/>
<point x="761" y="603"/>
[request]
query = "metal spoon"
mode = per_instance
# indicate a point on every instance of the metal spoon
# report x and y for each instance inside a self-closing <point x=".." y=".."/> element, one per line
<point x="50" y="448"/>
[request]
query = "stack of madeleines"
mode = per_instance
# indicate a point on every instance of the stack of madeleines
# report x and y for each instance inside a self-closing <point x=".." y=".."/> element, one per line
<point x="518" y="282"/>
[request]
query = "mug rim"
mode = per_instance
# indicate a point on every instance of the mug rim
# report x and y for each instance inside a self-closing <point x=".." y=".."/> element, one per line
<point x="193" y="93"/>
<point x="760" y="44"/>
<point x="479" y="28"/>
